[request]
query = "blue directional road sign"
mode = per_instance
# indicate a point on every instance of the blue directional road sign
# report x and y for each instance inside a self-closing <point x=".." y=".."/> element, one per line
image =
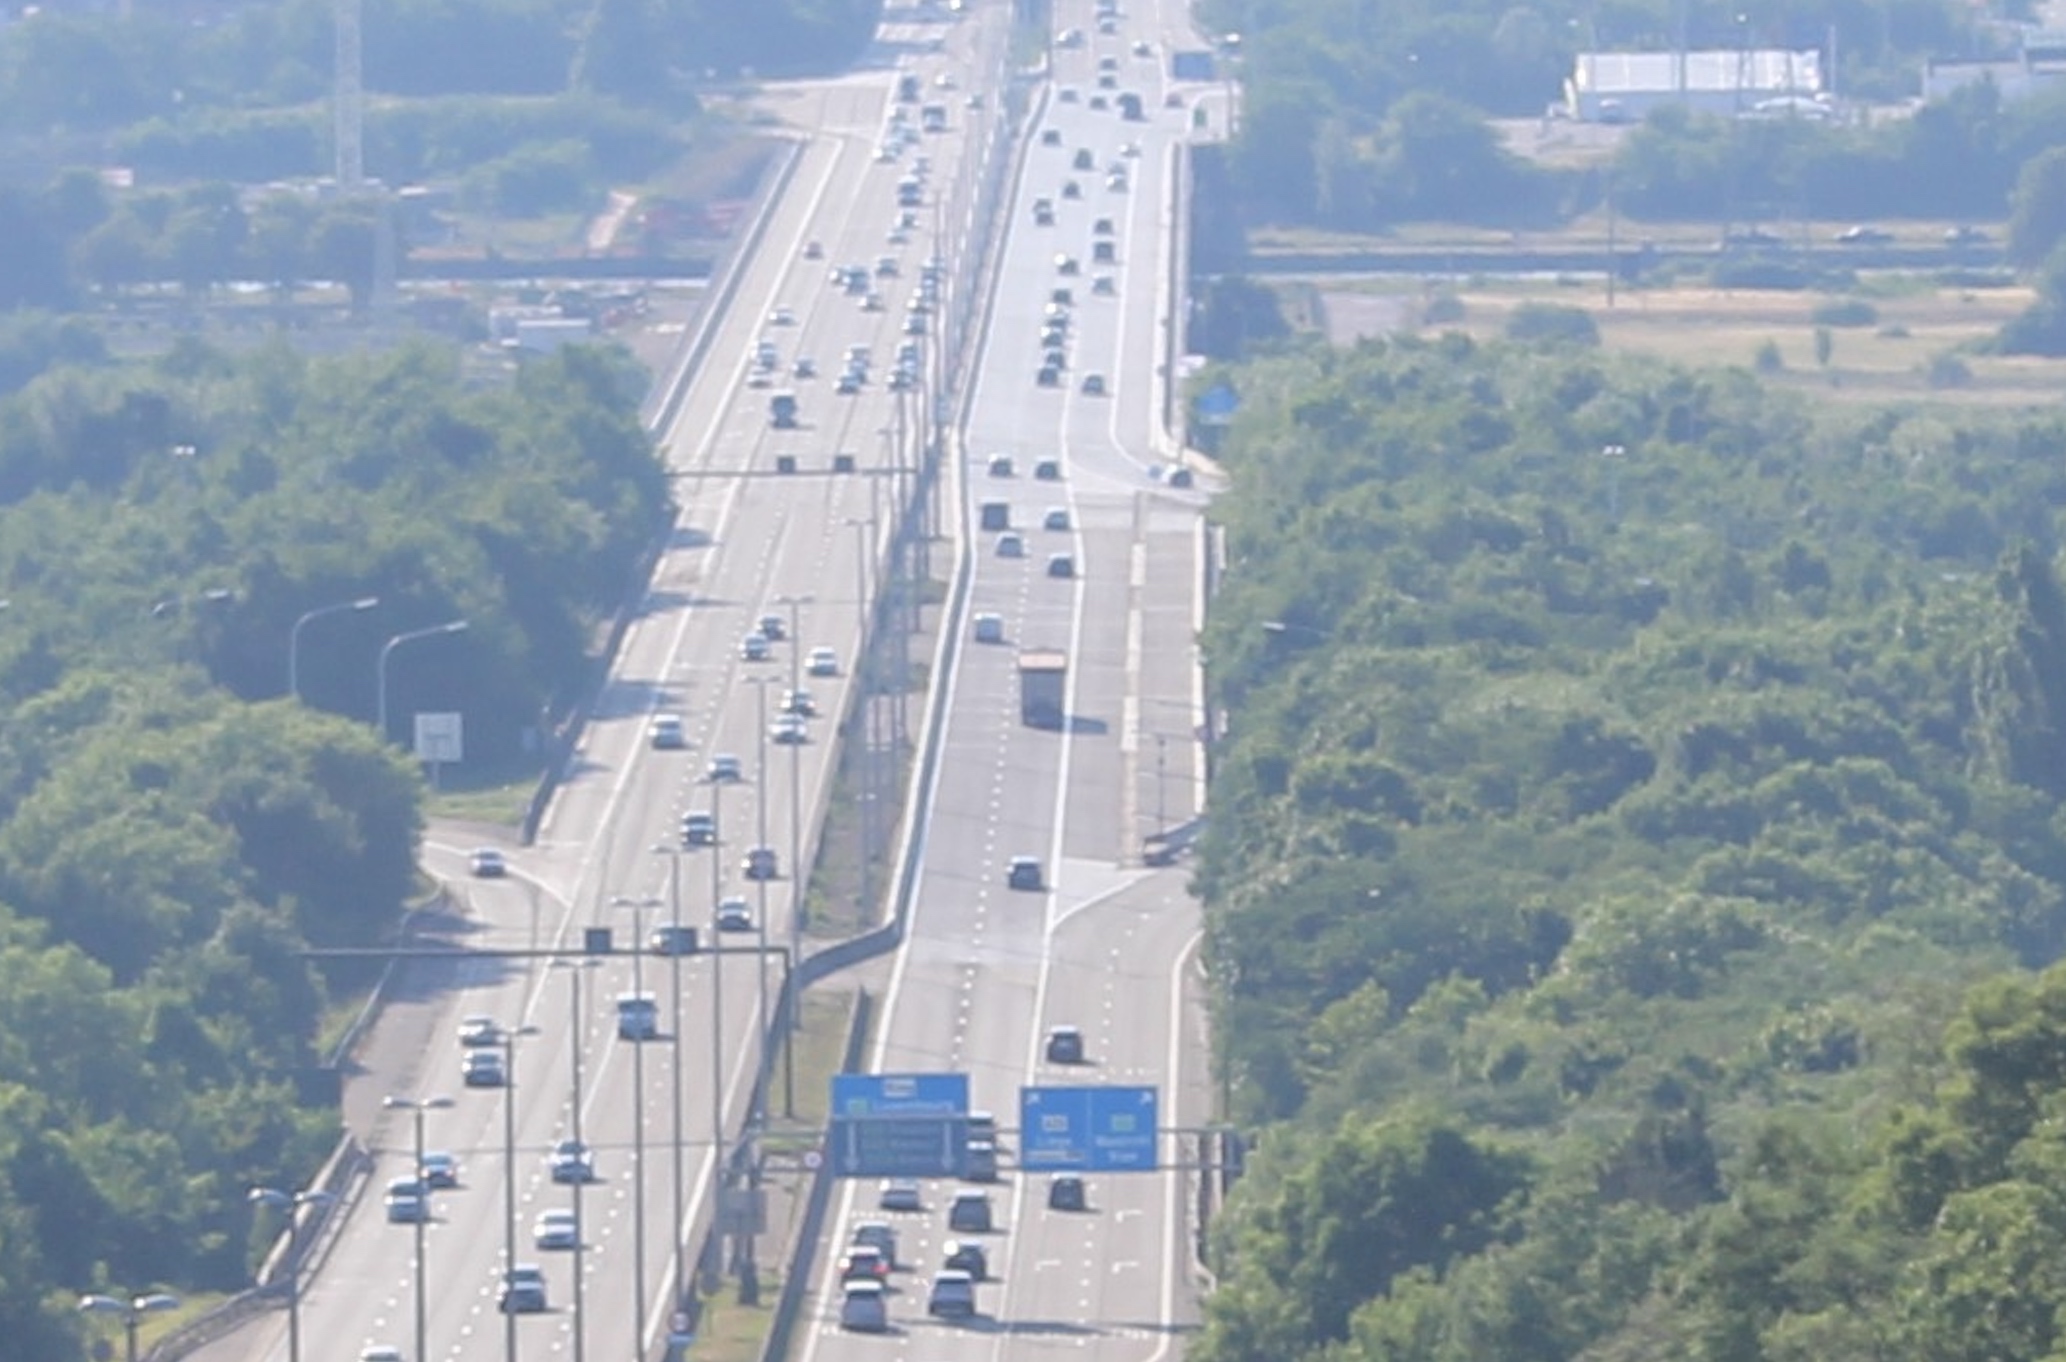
<point x="1087" y="1130"/>
<point x="898" y="1125"/>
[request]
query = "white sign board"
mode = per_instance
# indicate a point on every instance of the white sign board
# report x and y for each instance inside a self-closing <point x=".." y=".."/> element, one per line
<point x="440" y="739"/>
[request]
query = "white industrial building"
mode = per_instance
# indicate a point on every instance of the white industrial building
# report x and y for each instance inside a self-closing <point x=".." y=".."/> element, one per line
<point x="1623" y="87"/>
<point x="2039" y="65"/>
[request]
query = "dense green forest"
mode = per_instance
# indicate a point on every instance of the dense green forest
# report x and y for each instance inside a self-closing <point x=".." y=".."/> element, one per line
<point x="1637" y="826"/>
<point x="172" y="829"/>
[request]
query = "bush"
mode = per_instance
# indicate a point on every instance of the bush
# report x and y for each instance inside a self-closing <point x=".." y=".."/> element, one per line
<point x="1444" y="309"/>
<point x="552" y="177"/>
<point x="1845" y="312"/>
<point x="1554" y="322"/>
<point x="1948" y="370"/>
<point x="1769" y="360"/>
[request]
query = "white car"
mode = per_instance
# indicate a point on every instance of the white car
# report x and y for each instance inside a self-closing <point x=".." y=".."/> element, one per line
<point x="556" y="1229"/>
<point x="822" y="662"/>
<point x="782" y="316"/>
<point x="725" y="766"/>
<point x="487" y="863"/>
<point x="571" y="1161"/>
<point x="667" y="733"/>
<point x="789" y="730"/>
<point x="477" y="1030"/>
<point x="733" y="915"/>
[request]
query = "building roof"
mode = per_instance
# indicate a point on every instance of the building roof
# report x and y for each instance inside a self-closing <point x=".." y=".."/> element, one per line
<point x="1767" y="71"/>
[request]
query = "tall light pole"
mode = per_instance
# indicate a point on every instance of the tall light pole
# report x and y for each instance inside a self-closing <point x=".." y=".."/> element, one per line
<point x="575" y="969"/>
<point x="418" y="1106"/>
<point x="638" y="1113"/>
<point x="302" y="622"/>
<point x="292" y="1203"/>
<point x="509" y="1101"/>
<point x="674" y="1046"/>
<point x="132" y="1311"/>
<point x="717" y="1035"/>
<point x="796" y="880"/>
<point x="386" y="649"/>
<point x="760" y="686"/>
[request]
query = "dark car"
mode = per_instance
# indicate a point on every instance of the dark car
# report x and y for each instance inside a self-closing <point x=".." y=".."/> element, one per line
<point x="1065" y="1045"/>
<point x="965" y="1255"/>
<point x="1066" y="1193"/>
<point x="1024" y="873"/>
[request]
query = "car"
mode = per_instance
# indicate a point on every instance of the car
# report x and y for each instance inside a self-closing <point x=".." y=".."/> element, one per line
<point x="407" y="1202"/>
<point x="772" y="626"/>
<point x="1048" y="376"/>
<point x="788" y="730"/>
<point x="667" y="733"/>
<point x="380" y="1352"/>
<point x="523" y="1291"/>
<point x="1050" y="137"/>
<point x="863" y="1263"/>
<point x="1010" y="546"/>
<point x="982" y="1125"/>
<point x="476" y="1031"/>
<point x="761" y="378"/>
<point x="556" y="1229"/>
<point x="966" y="1255"/>
<point x="979" y="1163"/>
<point x="849" y="384"/>
<point x="1750" y="237"/>
<point x="1067" y="94"/>
<point x="753" y="648"/>
<point x="1099" y="103"/>
<point x="1066" y="265"/>
<point x="1180" y="478"/>
<point x="1069" y="37"/>
<point x="877" y="1234"/>
<point x="1071" y="190"/>
<point x="760" y="863"/>
<point x="1102" y="227"/>
<point x="1024" y="872"/>
<point x="1082" y="160"/>
<point x="1141" y="48"/>
<point x="439" y="1170"/>
<point x="1107" y="26"/>
<point x="953" y="1295"/>
<point x="897" y="236"/>
<point x="1064" y="1045"/>
<point x="1106" y="81"/>
<point x="672" y="938"/>
<point x="1093" y="385"/>
<point x="487" y="863"/>
<point x="799" y="702"/>
<point x="1131" y="150"/>
<point x="1116" y="181"/>
<point x="1000" y="466"/>
<point x="864" y="1308"/>
<point x="1056" y="519"/>
<point x="989" y="627"/>
<point x="813" y="250"/>
<point x="1060" y="565"/>
<point x="699" y="828"/>
<point x="872" y="302"/>
<point x="805" y="367"/>
<point x="483" y="1069"/>
<point x="914" y="325"/>
<point x="1047" y="470"/>
<point x="886" y="267"/>
<point x="1103" y="286"/>
<point x="781" y="316"/>
<point x="734" y="916"/>
<point x="1864" y="236"/>
<point x="899" y="1194"/>
<point x="571" y="1161"/>
<point x="822" y="662"/>
<point x="1056" y="359"/>
<point x="969" y="1213"/>
<point x="1066" y="1193"/>
<point x="724" y="767"/>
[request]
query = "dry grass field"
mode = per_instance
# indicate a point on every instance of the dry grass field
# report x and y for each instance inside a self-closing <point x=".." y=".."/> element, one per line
<point x="1896" y="356"/>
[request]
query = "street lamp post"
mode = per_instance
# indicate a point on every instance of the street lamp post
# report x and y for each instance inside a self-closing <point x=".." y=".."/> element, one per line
<point x="760" y="798"/>
<point x="509" y="1101"/>
<point x="292" y="1203"/>
<point x="575" y="969"/>
<point x="417" y="1106"/>
<point x="380" y="676"/>
<point x="674" y="1045"/>
<point x="638" y="1112"/>
<point x="796" y="897"/>
<point x="302" y="622"/>
<point x="132" y="1311"/>
<point x="712" y="1269"/>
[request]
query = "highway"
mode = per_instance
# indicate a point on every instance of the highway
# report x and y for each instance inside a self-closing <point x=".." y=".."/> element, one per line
<point x="748" y="540"/>
<point x="1109" y="946"/>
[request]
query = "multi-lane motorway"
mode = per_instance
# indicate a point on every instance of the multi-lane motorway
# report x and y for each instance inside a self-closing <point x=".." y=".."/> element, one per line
<point x="1107" y="947"/>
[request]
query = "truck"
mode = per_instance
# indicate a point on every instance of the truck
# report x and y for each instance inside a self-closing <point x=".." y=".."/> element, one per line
<point x="782" y="411"/>
<point x="1043" y="677"/>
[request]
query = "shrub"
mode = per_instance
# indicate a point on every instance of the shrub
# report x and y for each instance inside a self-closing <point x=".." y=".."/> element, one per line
<point x="1556" y="322"/>
<point x="1845" y="312"/>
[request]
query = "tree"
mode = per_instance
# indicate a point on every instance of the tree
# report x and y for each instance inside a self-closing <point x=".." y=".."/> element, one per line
<point x="2037" y="217"/>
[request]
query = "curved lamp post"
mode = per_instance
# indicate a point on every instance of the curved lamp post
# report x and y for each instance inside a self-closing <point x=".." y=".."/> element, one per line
<point x="418" y="1106"/>
<point x="292" y="1203"/>
<point x="132" y="1311"/>
<point x="380" y="677"/>
<point x="302" y="621"/>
